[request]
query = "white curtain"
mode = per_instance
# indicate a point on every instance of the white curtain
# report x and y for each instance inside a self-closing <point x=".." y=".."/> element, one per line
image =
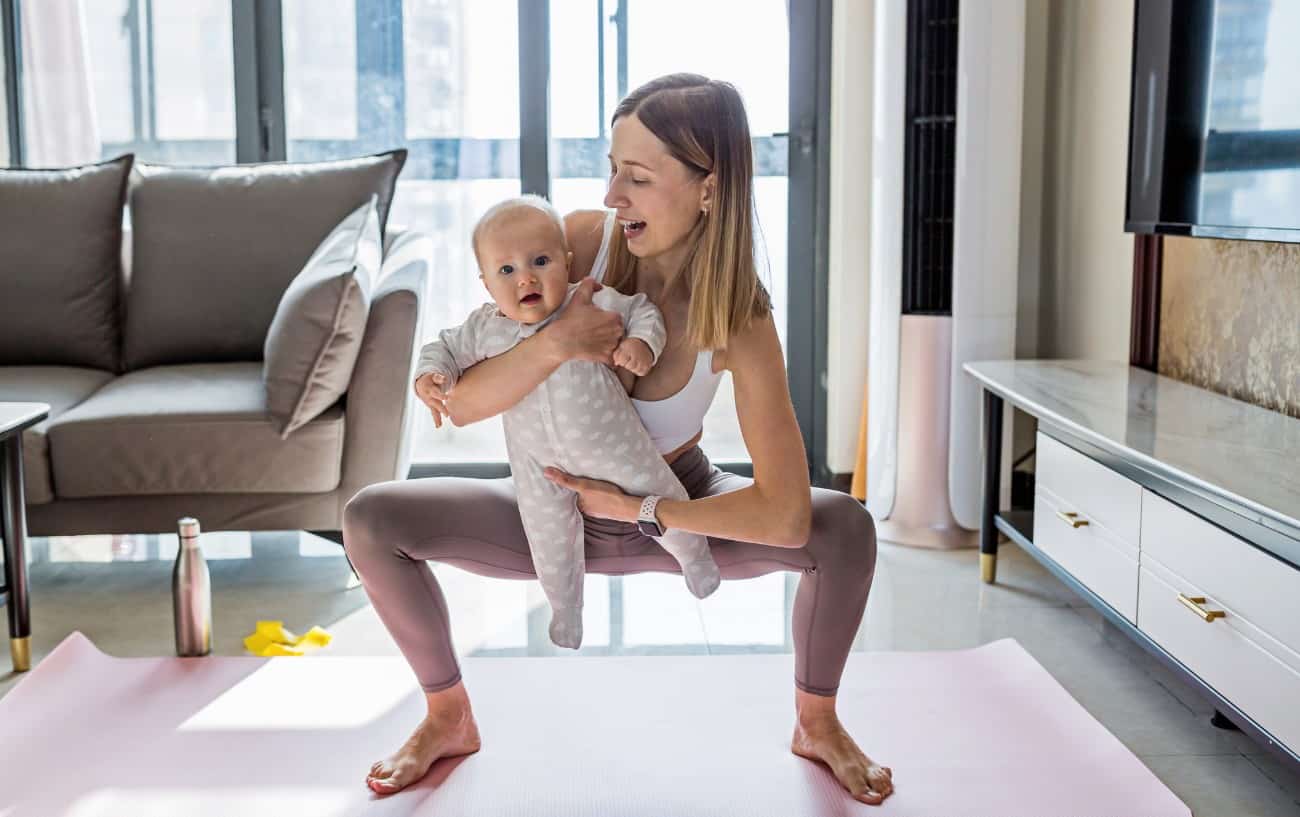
<point x="58" y="101"/>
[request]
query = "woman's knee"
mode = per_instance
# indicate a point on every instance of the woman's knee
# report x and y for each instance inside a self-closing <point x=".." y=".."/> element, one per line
<point x="843" y="533"/>
<point x="363" y="517"/>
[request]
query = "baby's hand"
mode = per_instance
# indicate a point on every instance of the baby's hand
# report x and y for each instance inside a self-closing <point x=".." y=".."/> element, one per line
<point x="429" y="388"/>
<point x="634" y="355"/>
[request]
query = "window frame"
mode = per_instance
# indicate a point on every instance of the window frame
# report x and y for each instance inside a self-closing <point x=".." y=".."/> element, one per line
<point x="258" y="56"/>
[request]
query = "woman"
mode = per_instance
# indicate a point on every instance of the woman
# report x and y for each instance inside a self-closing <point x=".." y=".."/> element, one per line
<point x="681" y="190"/>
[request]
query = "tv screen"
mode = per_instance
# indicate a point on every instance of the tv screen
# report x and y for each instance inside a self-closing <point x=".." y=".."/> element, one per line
<point x="1214" y="119"/>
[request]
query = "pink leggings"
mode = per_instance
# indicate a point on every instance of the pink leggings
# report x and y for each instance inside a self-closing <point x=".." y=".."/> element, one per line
<point x="392" y="529"/>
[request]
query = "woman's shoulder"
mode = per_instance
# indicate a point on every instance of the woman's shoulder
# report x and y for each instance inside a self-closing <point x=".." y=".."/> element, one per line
<point x="585" y="219"/>
<point x="584" y="230"/>
<point x="755" y="348"/>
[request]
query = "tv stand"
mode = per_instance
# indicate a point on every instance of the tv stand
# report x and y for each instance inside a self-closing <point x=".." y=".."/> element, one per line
<point x="1175" y="512"/>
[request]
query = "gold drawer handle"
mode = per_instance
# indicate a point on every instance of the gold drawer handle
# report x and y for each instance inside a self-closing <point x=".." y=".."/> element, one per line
<point x="1194" y="603"/>
<point x="1071" y="518"/>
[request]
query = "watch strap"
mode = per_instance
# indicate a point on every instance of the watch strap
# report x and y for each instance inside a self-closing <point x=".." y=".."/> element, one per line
<point x="648" y="506"/>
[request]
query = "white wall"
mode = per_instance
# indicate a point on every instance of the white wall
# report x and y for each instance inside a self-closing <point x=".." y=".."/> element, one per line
<point x="850" y="227"/>
<point x="1032" y="153"/>
<point x="1084" y="256"/>
<point x="1032" y="165"/>
<point x="1076" y="261"/>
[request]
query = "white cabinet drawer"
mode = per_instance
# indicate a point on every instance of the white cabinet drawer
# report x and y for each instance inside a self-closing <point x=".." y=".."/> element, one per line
<point x="1262" y="589"/>
<point x="1244" y="665"/>
<point x="1092" y="553"/>
<point x="1089" y="489"/>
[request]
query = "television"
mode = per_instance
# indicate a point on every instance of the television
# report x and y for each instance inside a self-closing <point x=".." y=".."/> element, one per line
<point x="1214" y="119"/>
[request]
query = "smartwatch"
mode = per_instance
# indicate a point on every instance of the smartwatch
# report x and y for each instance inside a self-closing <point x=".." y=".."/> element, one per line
<point x="646" y="520"/>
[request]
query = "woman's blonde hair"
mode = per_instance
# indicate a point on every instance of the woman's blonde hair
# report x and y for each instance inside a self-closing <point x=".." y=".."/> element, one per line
<point x="703" y="124"/>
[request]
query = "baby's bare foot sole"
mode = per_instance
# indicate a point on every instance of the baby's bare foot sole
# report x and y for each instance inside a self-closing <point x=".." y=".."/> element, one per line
<point x="434" y="738"/>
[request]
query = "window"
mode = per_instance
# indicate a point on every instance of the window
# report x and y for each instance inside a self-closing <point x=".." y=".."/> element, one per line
<point x="441" y="79"/>
<point x="4" y="83"/>
<point x="336" y="78"/>
<point x="586" y="85"/>
<point x="150" y="77"/>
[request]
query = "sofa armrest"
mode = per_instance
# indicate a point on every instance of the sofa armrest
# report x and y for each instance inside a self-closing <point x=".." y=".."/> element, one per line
<point x="397" y="234"/>
<point x="380" y="401"/>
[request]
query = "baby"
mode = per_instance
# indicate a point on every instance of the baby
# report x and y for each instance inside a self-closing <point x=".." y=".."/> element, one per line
<point x="579" y="419"/>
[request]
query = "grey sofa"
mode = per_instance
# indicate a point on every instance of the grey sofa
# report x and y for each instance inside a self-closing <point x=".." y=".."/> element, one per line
<point x="173" y="421"/>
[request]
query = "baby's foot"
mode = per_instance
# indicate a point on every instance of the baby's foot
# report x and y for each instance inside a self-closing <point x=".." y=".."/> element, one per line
<point x="566" y="627"/>
<point x="702" y="577"/>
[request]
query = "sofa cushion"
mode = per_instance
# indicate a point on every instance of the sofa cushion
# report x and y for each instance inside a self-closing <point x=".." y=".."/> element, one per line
<point x="62" y="387"/>
<point x="316" y="334"/>
<point x="192" y="429"/>
<point x="213" y="249"/>
<point x="60" y="268"/>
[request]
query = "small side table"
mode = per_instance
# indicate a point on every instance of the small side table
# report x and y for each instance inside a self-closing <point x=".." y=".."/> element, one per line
<point x="14" y="419"/>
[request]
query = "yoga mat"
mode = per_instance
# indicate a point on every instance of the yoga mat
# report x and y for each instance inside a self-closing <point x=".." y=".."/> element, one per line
<point x="979" y="732"/>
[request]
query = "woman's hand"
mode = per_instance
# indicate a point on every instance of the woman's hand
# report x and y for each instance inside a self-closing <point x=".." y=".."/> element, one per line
<point x="584" y="331"/>
<point x="428" y="387"/>
<point x="597" y="499"/>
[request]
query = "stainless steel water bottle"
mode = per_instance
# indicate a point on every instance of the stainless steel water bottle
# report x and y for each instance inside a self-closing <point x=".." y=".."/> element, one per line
<point x="191" y="594"/>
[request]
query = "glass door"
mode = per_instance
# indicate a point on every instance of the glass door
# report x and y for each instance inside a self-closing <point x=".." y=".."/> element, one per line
<point x="5" y="151"/>
<point x="602" y="49"/>
<point x="599" y="51"/>
<point x="442" y="80"/>
<point x="149" y="77"/>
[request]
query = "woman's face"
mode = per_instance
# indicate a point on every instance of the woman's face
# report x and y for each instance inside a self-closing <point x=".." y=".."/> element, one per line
<point x="657" y="198"/>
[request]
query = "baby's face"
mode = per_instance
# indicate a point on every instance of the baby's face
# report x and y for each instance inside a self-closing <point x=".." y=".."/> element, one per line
<point x="524" y="265"/>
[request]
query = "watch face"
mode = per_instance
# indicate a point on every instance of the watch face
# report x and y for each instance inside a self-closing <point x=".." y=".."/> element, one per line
<point x="649" y="528"/>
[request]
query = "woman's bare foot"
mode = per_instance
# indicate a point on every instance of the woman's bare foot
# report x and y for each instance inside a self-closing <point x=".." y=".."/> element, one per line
<point x="448" y="730"/>
<point x="819" y="735"/>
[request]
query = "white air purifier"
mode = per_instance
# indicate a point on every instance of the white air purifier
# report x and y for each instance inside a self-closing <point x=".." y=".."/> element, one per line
<point x="923" y="431"/>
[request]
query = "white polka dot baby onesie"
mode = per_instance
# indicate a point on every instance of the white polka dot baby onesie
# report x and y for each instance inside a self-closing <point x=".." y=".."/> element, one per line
<point x="581" y="420"/>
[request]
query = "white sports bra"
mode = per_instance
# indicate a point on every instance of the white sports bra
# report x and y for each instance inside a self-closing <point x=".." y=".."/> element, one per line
<point x="673" y="420"/>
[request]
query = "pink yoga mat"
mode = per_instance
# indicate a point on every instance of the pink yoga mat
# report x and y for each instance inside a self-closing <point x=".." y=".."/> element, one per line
<point x="982" y="732"/>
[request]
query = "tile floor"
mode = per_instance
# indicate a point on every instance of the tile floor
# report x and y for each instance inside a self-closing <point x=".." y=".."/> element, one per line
<point x="116" y="590"/>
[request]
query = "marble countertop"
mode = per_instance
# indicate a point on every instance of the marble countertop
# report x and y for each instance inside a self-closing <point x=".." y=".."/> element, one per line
<point x="1242" y="452"/>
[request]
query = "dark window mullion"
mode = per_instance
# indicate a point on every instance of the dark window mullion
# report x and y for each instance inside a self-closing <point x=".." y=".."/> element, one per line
<point x="149" y="84"/>
<point x="600" y="68"/>
<point x="259" y="80"/>
<point x="535" y="97"/>
<point x="807" y="243"/>
<point x="138" y="22"/>
<point x="13" y="80"/>
<point x="620" y="20"/>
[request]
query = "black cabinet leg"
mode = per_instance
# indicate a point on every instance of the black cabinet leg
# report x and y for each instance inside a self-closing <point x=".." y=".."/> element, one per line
<point x="336" y="537"/>
<point x="992" y="485"/>
<point x="15" y="552"/>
